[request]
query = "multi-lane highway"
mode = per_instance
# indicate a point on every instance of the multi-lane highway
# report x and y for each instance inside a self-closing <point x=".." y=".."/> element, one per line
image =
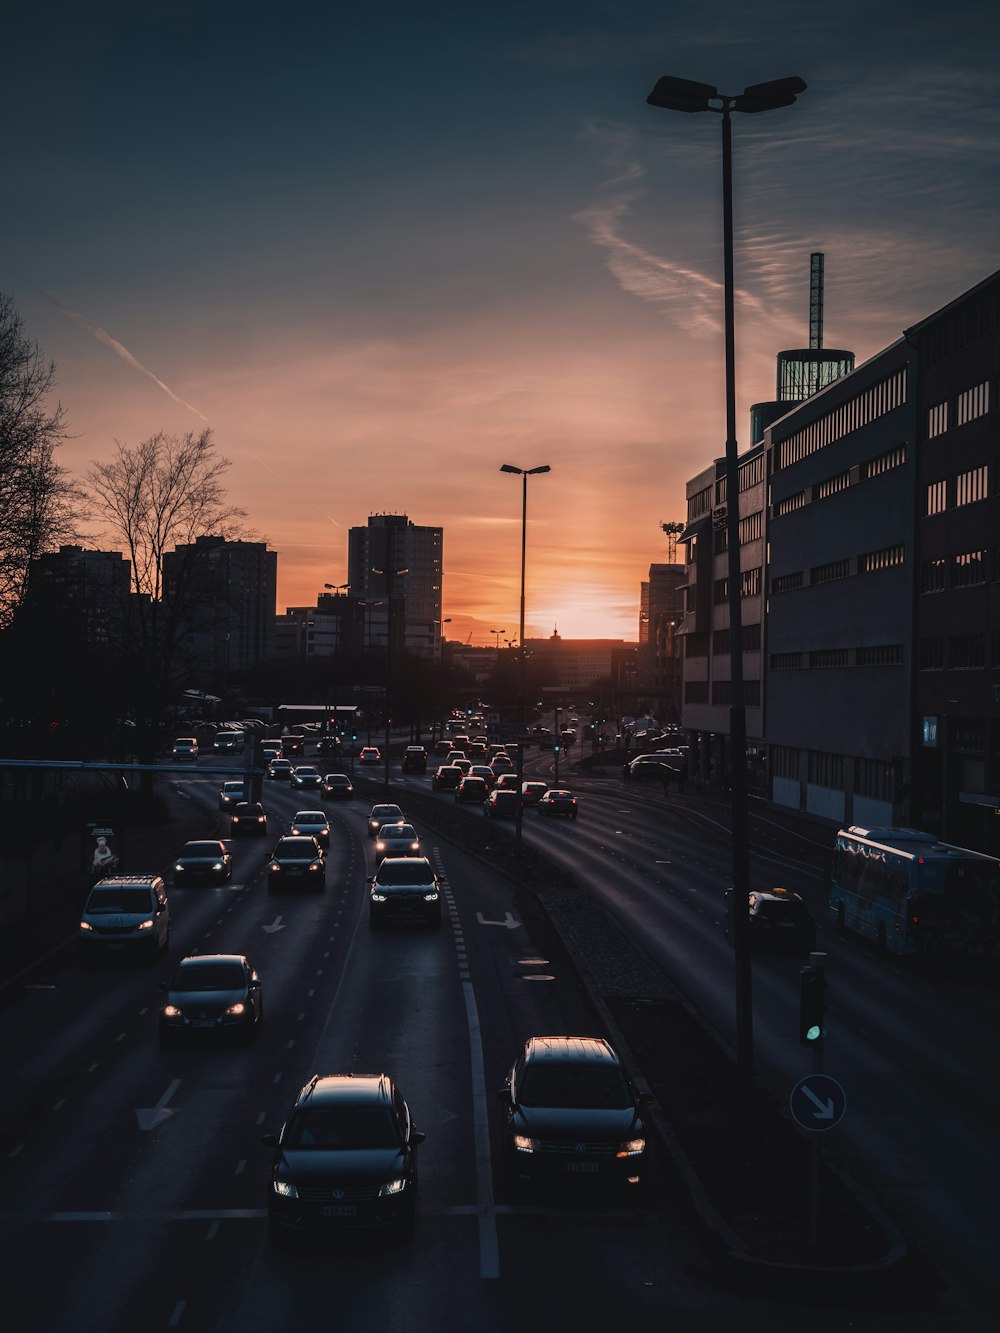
<point x="133" y="1185"/>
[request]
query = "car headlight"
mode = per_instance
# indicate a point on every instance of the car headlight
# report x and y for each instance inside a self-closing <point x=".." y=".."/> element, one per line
<point x="631" y="1148"/>
<point x="380" y="898"/>
<point x="262" y="819"/>
<point x="414" y="846"/>
<point x="145" y="925"/>
<point x="85" y="925"/>
<point x="523" y="1143"/>
<point x="274" y="868"/>
<point x="218" y="865"/>
<point x="171" y="1011"/>
<point x="316" y="865"/>
<point x="380" y="846"/>
<point x="285" y="1189"/>
<point x="431" y="897"/>
<point x="392" y="1187"/>
<point x="237" y="1009"/>
<point x="178" y="868"/>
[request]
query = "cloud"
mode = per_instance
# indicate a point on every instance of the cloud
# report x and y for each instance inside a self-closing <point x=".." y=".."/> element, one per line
<point x="102" y="336"/>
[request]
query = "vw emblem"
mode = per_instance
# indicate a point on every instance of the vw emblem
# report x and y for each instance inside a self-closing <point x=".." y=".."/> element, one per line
<point x="581" y="1148"/>
<point x="338" y="1193"/>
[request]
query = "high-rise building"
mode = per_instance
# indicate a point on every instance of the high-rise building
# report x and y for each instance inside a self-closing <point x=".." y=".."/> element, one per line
<point x="89" y="588"/>
<point x="396" y="568"/>
<point x="227" y="591"/>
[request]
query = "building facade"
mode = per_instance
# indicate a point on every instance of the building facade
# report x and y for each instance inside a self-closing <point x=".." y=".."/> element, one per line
<point x="228" y="592"/>
<point x="396" y="568"/>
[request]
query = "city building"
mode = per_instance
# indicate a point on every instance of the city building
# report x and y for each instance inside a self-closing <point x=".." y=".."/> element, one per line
<point x="227" y="591"/>
<point x="91" y="589"/>
<point x="396" y="568"/>
<point x="658" y="660"/>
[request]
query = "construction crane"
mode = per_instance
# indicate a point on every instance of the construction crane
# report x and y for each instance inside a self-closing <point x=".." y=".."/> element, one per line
<point x="672" y="531"/>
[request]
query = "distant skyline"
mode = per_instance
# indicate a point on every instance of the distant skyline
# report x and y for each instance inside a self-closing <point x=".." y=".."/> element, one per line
<point x="382" y="252"/>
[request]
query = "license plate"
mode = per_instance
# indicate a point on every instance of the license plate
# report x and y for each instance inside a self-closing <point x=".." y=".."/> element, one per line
<point x="339" y="1210"/>
<point x="202" y="1023"/>
<point x="582" y="1168"/>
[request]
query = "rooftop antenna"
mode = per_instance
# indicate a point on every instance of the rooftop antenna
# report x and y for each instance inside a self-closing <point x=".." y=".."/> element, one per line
<point x="673" y="531"/>
<point x="816" y="301"/>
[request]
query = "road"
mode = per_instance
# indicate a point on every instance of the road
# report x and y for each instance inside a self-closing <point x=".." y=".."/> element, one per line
<point x="133" y="1183"/>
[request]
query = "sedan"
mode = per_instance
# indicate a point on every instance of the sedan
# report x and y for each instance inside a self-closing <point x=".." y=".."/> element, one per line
<point x="472" y="790"/>
<point x="396" y="840"/>
<point x="482" y="771"/>
<point x="558" y="802"/>
<point x="312" y="822"/>
<point x="502" y="803"/>
<point x="204" y="860"/>
<point x="572" y="1115"/>
<point x="507" y="782"/>
<point x="447" y="777"/>
<point x="305" y="777"/>
<point x="337" y="787"/>
<point x="296" y="861"/>
<point x="346" y="1157"/>
<point x="383" y="813"/>
<point x="779" y="920"/>
<point x="532" y="792"/>
<point x="214" y="994"/>
<point x="370" y="754"/>
<point x="280" y="770"/>
<point x="404" y="888"/>
<point x="231" y="793"/>
<point x="248" y="817"/>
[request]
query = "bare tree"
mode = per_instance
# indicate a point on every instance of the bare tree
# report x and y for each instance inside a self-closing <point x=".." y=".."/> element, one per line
<point x="38" y="502"/>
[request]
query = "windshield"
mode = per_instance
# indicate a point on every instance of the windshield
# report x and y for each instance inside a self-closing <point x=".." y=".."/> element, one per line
<point x="202" y="849"/>
<point x="208" y="976"/>
<point x="296" y="849"/>
<point x="343" y="1127"/>
<point x="403" y="832"/>
<point x="399" y="872"/>
<point x="577" y="1085"/>
<point x="133" y="900"/>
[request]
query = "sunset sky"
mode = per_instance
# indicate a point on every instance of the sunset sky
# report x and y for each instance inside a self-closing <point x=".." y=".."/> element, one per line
<point x="381" y="250"/>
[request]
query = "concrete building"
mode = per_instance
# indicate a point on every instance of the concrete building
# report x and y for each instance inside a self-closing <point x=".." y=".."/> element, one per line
<point x="92" y="588"/>
<point x="396" y="567"/>
<point x="658" y="660"/>
<point x="228" y="591"/>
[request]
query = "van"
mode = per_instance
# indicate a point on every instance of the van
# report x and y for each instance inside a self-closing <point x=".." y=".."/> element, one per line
<point x="185" y="747"/>
<point x="127" y="914"/>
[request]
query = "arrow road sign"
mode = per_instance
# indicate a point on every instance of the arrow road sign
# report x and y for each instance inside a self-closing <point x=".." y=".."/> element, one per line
<point x="275" y="925"/>
<point x="817" y="1102"/>
<point x="508" y="923"/>
<point x="151" y="1116"/>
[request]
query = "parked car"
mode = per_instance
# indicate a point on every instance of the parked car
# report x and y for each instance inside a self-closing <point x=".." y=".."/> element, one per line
<point x="125" y="914"/>
<point x="383" y="813"/>
<point x="779" y="919"/>
<point x="396" y="840"/>
<point x="204" y="859"/>
<point x="337" y="787"/>
<point x="314" y="822"/>
<point x="248" y="817"/>
<point x="231" y="793"/>
<point x="571" y="1114"/>
<point x="345" y="1157"/>
<point x="296" y="861"/>
<point x="211" y="995"/>
<point x="558" y="802"/>
<point x="185" y="747"/>
<point x="404" y="888"/>
<point x="415" y="759"/>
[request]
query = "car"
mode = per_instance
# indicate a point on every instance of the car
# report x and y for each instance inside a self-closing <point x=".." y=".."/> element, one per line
<point x="396" y="840"/>
<point x="454" y="755"/>
<point x="571" y="1114"/>
<point x="779" y="919"/>
<point x="654" y="768"/>
<point x="415" y="759"/>
<point x="228" y="742"/>
<point x="346" y="1157"/>
<point x="447" y="778"/>
<point x="125" y="914"/>
<point x="271" y="749"/>
<point x="441" y="748"/>
<point x="477" y="750"/>
<point x="482" y="771"/>
<point x="370" y="754"/>
<point x="231" y="793"/>
<point x="280" y="770"/>
<point x="472" y="789"/>
<point x="501" y="763"/>
<point x="211" y="994"/>
<point x="464" y="764"/>
<point x="248" y="817"/>
<point x="185" y="747"/>
<point x="383" y="813"/>
<point x="337" y="787"/>
<point x="292" y="746"/>
<point x="328" y="745"/>
<point x="556" y="801"/>
<point x="313" y="822"/>
<point x="502" y="803"/>
<point x="532" y="792"/>
<point x="296" y="860"/>
<point x="507" y="782"/>
<point x="404" y="888"/>
<point x="204" y="859"/>
<point x="306" y="777"/>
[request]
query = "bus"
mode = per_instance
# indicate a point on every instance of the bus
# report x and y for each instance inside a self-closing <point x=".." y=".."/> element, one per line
<point x="913" y="895"/>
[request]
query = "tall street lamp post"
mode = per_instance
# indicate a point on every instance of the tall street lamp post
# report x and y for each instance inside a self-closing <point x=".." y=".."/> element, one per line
<point x="684" y="95"/>
<point x="524" y="474"/>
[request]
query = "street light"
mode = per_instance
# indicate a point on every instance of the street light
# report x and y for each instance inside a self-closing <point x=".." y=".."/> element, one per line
<point x="684" y="95"/>
<point x="524" y="474"/>
<point x="499" y="633"/>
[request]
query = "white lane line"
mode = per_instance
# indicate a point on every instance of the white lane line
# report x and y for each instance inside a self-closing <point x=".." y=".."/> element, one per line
<point x="91" y="1068"/>
<point x="16" y="1151"/>
<point x="489" y="1249"/>
<point x="213" y="1230"/>
<point x="60" y="1103"/>
<point x="262" y="1117"/>
<point x="177" y="1315"/>
<point x="241" y="1166"/>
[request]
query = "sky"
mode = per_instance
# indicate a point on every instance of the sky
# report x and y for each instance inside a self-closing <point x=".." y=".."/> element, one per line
<point x="382" y="250"/>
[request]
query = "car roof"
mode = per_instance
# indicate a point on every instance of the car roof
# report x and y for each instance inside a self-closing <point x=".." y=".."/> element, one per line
<point x="346" y="1090"/>
<point x="776" y="895"/>
<point x="559" y="791"/>
<point x="386" y="809"/>
<point x="317" y="816"/>
<point x="399" y="831"/>
<point x="552" y="1050"/>
<point x="197" y="959"/>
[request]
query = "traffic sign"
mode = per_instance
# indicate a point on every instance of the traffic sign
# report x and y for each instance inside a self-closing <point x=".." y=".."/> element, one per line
<point x="817" y="1102"/>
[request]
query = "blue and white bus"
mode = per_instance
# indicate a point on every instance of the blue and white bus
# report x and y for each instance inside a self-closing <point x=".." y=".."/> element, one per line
<point x="914" y="895"/>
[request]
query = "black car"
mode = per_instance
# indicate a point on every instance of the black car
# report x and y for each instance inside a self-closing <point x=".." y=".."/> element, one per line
<point x="557" y="802"/>
<point x="779" y="919"/>
<point x="296" y="862"/>
<point x="206" y="859"/>
<point x="472" y="789"/>
<point x="447" y="777"/>
<point x="248" y="817"/>
<point x="414" y="759"/>
<point x="337" y="787"/>
<point x="328" y="745"/>
<point x="346" y="1157"/>
<point x="571" y="1114"/>
<point x="404" y="888"/>
<point x="305" y="777"/>
<point x="213" y="994"/>
<point x="383" y="813"/>
<point x="502" y="803"/>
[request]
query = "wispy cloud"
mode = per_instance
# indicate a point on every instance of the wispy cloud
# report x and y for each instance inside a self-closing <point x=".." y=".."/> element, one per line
<point x="119" y="350"/>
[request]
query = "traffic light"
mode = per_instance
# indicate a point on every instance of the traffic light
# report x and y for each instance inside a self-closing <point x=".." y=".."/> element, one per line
<point x="812" y="1005"/>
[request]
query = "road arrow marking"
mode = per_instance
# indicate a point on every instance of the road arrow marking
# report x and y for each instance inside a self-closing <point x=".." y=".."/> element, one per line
<point x="825" y="1109"/>
<point x="275" y="925"/>
<point x="151" y="1116"/>
<point x="508" y="923"/>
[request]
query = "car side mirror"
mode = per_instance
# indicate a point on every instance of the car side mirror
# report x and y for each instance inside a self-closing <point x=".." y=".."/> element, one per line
<point x="418" y="1136"/>
<point x="269" y="1140"/>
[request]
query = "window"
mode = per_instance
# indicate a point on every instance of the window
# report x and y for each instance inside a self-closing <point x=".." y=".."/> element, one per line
<point x="696" y="691"/>
<point x="750" y="583"/>
<point x="937" y="420"/>
<point x="885" y="462"/>
<point x="784" y="761"/>
<point x="826" y="770"/>
<point x="751" y="527"/>
<point x="867" y="406"/>
<point x="874" y="778"/>
<point x="786" y="582"/>
<point x="886" y="654"/>
<point x="829" y="657"/>
<point x="972" y="486"/>
<point x="696" y="645"/>
<point x="837" y="569"/>
<point x="933" y="575"/>
<point x="786" y="661"/>
<point x="974" y="402"/>
<point x="967" y="652"/>
<point x="930" y="654"/>
<point x="790" y="503"/>
<point x="832" y="485"/>
<point x="720" y="591"/>
<point x="968" y="569"/>
<point x="889" y="556"/>
<point x="937" y="498"/>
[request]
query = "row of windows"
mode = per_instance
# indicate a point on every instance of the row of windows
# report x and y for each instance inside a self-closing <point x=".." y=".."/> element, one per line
<point x="696" y="692"/>
<point x="869" y="563"/>
<point x="820" y="490"/>
<point x="874" y="778"/>
<point x="968" y="405"/>
<point x="959" y="652"/>
<point x="965" y="488"/>
<point x="965" y="570"/>
<point x="873" y="403"/>
<point x="883" y="654"/>
<point x="751" y="640"/>
<point x="749" y="586"/>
